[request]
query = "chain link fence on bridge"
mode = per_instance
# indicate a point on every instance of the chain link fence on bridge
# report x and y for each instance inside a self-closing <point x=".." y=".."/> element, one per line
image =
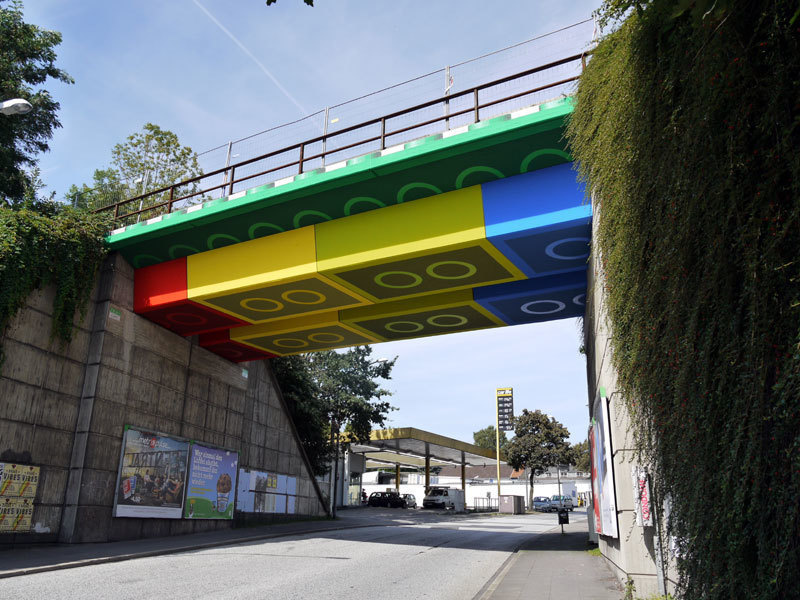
<point x="283" y="140"/>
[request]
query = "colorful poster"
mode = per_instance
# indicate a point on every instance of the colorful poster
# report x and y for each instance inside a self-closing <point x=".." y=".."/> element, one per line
<point x="641" y="497"/>
<point x="18" y="481"/>
<point x="603" y="470"/>
<point x="152" y="475"/>
<point x="265" y="503"/>
<point x="263" y="492"/>
<point x="15" y="514"/>
<point x="212" y="480"/>
<point x="267" y="482"/>
<point x="245" y="497"/>
<point x="593" y="455"/>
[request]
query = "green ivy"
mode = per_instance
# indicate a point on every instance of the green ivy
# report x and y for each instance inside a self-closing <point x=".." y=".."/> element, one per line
<point x="687" y="129"/>
<point x="47" y="243"/>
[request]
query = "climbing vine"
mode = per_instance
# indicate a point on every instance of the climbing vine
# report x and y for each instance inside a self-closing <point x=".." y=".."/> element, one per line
<point x="687" y="129"/>
<point x="43" y="243"/>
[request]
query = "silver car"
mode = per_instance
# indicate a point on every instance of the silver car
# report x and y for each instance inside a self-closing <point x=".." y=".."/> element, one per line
<point x="542" y="503"/>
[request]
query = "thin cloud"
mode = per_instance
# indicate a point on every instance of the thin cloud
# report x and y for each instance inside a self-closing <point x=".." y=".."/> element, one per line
<point x="244" y="49"/>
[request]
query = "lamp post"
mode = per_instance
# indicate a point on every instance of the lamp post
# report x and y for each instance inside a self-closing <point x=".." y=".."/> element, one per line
<point x="15" y="106"/>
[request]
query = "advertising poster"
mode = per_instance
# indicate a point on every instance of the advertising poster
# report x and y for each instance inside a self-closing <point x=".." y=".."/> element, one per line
<point x="596" y="489"/>
<point x="211" y="483"/>
<point x="641" y="497"/>
<point x="245" y="497"/>
<point x="15" y="514"/>
<point x="18" y="485"/>
<point x="18" y="481"/>
<point x="152" y="475"/>
<point x="601" y="449"/>
<point x="267" y="482"/>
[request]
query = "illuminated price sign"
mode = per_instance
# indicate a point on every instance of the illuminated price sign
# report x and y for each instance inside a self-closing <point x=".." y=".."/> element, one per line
<point x="505" y="409"/>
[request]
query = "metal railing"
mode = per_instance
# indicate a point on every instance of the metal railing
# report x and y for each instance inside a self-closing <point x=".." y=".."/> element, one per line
<point x="378" y="131"/>
<point x="486" y="505"/>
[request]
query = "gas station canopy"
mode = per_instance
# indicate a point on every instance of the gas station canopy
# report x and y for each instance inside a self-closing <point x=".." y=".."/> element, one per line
<point x="408" y="446"/>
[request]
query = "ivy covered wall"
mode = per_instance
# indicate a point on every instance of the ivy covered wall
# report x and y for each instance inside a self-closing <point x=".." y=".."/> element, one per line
<point x="44" y="243"/>
<point x="687" y="129"/>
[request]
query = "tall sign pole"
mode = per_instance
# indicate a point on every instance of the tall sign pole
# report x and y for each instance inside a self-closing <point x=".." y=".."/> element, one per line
<point x="497" y="448"/>
<point x="505" y="416"/>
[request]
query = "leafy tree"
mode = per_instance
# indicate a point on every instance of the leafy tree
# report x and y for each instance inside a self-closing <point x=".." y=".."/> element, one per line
<point x="149" y="160"/>
<point x="582" y="460"/>
<point x="347" y="389"/>
<point x="540" y="442"/>
<point x="487" y="438"/>
<point x="309" y="416"/>
<point x="27" y="59"/>
<point x="328" y="392"/>
<point x="106" y="189"/>
<point x="153" y="158"/>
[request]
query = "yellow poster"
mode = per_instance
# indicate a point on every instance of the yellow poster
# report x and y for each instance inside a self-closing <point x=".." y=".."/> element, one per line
<point x="18" y="481"/>
<point x="15" y="514"/>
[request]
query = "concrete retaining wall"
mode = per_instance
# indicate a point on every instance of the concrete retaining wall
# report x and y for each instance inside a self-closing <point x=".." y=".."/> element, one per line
<point x="63" y="408"/>
<point x="633" y="553"/>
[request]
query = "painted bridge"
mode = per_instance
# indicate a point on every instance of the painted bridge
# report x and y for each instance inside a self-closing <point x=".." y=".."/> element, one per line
<point x="477" y="225"/>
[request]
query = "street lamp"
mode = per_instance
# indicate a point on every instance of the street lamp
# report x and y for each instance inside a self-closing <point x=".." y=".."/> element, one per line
<point x="16" y="106"/>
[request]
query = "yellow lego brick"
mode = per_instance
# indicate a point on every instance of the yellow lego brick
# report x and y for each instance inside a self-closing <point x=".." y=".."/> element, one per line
<point x="307" y="333"/>
<point x="272" y="277"/>
<point x="426" y="246"/>
<point x="435" y="314"/>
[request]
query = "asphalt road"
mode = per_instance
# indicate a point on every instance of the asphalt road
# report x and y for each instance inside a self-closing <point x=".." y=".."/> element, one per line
<point x="400" y="555"/>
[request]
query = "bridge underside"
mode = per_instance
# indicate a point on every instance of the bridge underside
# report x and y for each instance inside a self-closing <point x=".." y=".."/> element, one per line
<point x="477" y="228"/>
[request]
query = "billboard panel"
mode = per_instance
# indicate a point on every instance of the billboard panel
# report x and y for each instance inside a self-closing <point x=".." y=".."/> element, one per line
<point x="152" y="475"/>
<point x="211" y="483"/>
<point x="245" y="497"/>
<point x="263" y="492"/>
<point x="18" y="481"/>
<point x="602" y="469"/>
<point x="15" y="514"/>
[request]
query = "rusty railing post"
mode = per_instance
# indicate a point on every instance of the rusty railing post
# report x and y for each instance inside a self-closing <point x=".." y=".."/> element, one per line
<point x="230" y="185"/>
<point x="300" y="162"/>
<point x="477" y="106"/>
<point x="383" y="133"/>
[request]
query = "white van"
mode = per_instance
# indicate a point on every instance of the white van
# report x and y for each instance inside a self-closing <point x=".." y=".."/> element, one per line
<point x="444" y="497"/>
<point x="562" y="503"/>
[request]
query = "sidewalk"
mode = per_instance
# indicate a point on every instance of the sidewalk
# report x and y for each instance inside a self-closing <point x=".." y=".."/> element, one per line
<point x="552" y="566"/>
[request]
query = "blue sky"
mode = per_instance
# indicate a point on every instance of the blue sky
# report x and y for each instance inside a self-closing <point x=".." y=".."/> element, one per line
<point x="215" y="70"/>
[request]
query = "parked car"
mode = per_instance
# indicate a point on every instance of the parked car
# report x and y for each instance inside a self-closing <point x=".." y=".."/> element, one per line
<point x="410" y="500"/>
<point x="389" y="499"/>
<point x="562" y="502"/>
<point x="543" y="504"/>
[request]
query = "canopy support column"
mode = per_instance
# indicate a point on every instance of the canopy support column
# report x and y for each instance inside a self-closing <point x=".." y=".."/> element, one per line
<point x="463" y="473"/>
<point x="427" y="467"/>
